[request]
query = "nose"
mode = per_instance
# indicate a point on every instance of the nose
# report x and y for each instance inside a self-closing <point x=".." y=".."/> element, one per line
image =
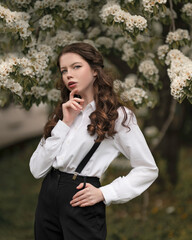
<point x="69" y="75"/>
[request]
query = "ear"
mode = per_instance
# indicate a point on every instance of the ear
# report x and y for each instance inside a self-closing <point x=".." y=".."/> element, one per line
<point x="94" y="73"/>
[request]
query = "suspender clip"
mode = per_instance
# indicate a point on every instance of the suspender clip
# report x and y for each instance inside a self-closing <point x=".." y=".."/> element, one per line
<point x="75" y="176"/>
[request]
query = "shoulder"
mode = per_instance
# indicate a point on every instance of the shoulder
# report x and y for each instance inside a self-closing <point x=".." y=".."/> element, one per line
<point x="125" y="115"/>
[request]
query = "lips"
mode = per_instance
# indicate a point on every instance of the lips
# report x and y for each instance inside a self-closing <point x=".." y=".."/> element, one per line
<point x="71" y="84"/>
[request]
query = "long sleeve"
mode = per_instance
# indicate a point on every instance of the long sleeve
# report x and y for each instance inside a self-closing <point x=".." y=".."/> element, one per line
<point x="46" y="151"/>
<point x="132" y="144"/>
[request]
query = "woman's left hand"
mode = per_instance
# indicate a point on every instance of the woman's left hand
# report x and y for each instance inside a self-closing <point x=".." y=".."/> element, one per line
<point x="88" y="196"/>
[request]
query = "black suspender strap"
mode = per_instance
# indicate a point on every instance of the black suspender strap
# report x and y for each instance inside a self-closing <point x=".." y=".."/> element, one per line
<point x="86" y="159"/>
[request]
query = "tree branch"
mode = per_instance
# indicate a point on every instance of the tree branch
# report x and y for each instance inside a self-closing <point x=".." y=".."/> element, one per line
<point x="166" y="124"/>
<point x="172" y="15"/>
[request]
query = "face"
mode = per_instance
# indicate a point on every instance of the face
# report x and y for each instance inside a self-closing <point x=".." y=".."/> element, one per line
<point x="77" y="73"/>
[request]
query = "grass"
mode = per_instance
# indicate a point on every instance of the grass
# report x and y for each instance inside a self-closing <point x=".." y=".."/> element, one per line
<point x="167" y="216"/>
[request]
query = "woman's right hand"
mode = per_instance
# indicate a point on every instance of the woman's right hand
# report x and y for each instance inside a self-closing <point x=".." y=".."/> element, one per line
<point x="72" y="108"/>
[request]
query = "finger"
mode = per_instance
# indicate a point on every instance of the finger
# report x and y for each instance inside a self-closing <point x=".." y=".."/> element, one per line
<point x="79" y="193"/>
<point x="79" y="203"/>
<point x="78" y="99"/>
<point x="77" y="105"/>
<point x="79" y="199"/>
<point x="72" y="93"/>
<point x="80" y="186"/>
<point x="73" y="106"/>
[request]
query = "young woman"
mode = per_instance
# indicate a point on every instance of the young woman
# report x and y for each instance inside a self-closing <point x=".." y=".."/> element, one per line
<point x="71" y="204"/>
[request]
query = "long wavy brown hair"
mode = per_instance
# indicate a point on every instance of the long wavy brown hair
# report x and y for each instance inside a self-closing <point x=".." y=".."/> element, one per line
<point x="107" y="103"/>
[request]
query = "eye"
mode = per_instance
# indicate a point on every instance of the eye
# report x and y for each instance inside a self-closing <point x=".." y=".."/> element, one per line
<point x="63" y="71"/>
<point x="77" y="66"/>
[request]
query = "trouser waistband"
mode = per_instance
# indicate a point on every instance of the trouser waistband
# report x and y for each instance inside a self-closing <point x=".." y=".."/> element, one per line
<point x="69" y="176"/>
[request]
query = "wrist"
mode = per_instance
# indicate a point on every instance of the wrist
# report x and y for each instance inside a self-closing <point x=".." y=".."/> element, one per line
<point x="67" y="122"/>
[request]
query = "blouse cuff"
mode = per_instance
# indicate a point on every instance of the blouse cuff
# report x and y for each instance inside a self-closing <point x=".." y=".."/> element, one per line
<point x="61" y="129"/>
<point x="109" y="194"/>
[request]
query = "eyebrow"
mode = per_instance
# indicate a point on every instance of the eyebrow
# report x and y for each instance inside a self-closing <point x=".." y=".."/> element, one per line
<point x="70" y="65"/>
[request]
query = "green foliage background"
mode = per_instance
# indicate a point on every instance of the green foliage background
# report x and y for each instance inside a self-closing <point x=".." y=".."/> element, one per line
<point x="19" y="193"/>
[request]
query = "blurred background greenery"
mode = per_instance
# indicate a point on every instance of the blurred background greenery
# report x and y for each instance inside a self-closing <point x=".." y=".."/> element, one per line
<point x="163" y="212"/>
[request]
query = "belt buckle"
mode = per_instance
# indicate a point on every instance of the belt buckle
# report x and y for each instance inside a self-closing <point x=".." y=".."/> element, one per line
<point x="74" y="175"/>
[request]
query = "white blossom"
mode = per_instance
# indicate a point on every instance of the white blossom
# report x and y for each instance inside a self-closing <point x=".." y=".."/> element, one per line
<point x="46" y="4"/>
<point x="104" y="41"/>
<point x="130" y="80"/>
<point x="62" y="38"/>
<point x="16" y="21"/>
<point x="21" y="3"/>
<point x="162" y="51"/>
<point x="187" y="9"/>
<point x="46" y="21"/>
<point x="54" y="95"/>
<point x="117" y="85"/>
<point x="79" y="14"/>
<point x="149" y="4"/>
<point x="177" y="35"/>
<point x="37" y="92"/>
<point x="149" y="71"/>
<point x="74" y="5"/>
<point x="128" y="52"/>
<point x="28" y="71"/>
<point x="135" y="94"/>
<point x="180" y="73"/>
<point x="46" y="77"/>
<point x="120" y="16"/>
<point x="94" y="32"/>
<point x="118" y="43"/>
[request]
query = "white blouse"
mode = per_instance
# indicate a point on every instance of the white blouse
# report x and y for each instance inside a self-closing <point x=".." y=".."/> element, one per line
<point x="67" y="146"/>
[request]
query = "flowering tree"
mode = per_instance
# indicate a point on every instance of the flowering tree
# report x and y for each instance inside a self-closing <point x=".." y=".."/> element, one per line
<point x="147" y="40"/>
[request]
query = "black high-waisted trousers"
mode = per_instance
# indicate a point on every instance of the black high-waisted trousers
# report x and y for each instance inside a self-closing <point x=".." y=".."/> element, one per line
<point x="56" y="219"/>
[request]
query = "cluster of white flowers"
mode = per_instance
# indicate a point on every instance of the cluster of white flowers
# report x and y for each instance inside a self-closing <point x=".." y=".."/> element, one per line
<point x="112" y="31"/>
<point x="128" y="91"/>
<point x="7" y="67"/>
<point x="117" y="85"/>
<point x="91" y="42"/>
<point x="94" y="32"/>
<point x="62" y="38"/>
<point x="180" y="74"/>
<point x="38" y="92"/>
<point x="187" y="9"/>
<point x="120" y="16"/>
<point x="46" y="77"/>
<point x="74" y="5"/>
<point x="149" y="4"/>
<point x="46" y="21"/>
<point x="33" y="65"/>
<point x="46" y="4"/>
<point x="54" y="95"/>
<point x="104" y="41"/>
<point x="16" y="21"/>
<point x="178" y="35"/>
<point x="128" y="52"/>
<point x="135" y="94"/>
<point x="79" y="14"/>
<point x="46" y="49"/>
<point x="13" y="86"/>
<point x="118" y="43"/>
<point x="162" y="51"/>
<point x="130" y="80"/>
<point x="149" y="71"/>
<point x="21" y="3"/>
<point x="128" y="1"/>
<point x="39" y="61"/>
<point x="78" y="35"/>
